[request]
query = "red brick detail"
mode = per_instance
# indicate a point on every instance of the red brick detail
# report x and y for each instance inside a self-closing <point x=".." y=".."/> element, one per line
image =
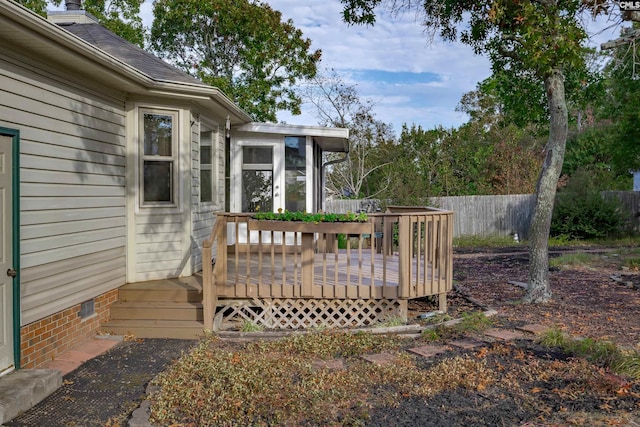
<point x="44" y="339"/>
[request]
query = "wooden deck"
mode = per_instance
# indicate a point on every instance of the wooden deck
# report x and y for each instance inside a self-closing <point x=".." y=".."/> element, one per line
<point x="296" y="267"/>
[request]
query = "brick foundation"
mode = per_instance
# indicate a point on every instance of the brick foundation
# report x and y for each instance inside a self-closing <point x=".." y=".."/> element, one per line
<point x="42" y="340"/>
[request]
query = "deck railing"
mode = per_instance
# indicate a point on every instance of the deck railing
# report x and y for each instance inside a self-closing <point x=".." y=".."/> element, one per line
<point x="404" y="253"/>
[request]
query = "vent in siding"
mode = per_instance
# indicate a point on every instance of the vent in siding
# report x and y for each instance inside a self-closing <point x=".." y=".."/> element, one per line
<point x="87" y="308"/>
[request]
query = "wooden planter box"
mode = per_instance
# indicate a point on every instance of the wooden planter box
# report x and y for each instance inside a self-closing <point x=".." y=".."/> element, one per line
<point x="311" y="227"/>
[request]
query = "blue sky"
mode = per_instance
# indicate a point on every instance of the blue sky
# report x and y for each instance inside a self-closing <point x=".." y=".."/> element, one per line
<point x="392" y="63"/>
<point x="409" y="79"/>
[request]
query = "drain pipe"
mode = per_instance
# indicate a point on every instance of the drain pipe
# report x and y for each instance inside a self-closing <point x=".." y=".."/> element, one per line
<point x="322" y="175"/>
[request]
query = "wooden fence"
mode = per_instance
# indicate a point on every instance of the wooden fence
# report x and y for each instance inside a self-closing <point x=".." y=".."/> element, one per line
<point x="487" y="215"/>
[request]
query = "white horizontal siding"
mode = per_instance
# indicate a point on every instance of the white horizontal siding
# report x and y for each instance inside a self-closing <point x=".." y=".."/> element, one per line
<point x="73" y="178"/>
<point x="72" y="154"/>
<point x="34" y="232"/>
<point x="162" y="247"/>
<point x="28" y="189"/>
<point x="61" y="242"/>
<point x="160" y="252"/>
<point x="52" y="255"/>
<point x="84" y="166"/>
<point x="49" y="288"/>
<point x="203" y="214"/>
<point x="158" y="257"/>
<point x="68" y="215"/>
<point x="41" y="203"/>
<point x="158" y="228"/>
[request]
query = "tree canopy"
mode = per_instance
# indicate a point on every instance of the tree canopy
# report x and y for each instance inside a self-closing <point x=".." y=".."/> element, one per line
<point x="243" y="47"/>
<point x="537" y="41"/>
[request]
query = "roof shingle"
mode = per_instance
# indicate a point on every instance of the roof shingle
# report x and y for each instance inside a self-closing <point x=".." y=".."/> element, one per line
<point x="129" y="53"/>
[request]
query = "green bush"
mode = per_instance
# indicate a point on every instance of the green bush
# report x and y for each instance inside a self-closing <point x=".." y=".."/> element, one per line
<point x="342" y="241"/>
<point x="581" y="212"/>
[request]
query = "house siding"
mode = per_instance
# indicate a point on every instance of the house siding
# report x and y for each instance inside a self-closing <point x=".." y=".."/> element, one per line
<point x="203" y="214"/>
<point x="159" y="248"/>
<point x="72" y="205"/>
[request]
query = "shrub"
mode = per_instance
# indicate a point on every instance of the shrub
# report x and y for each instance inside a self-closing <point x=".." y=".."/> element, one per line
<point x="582" y="213"/>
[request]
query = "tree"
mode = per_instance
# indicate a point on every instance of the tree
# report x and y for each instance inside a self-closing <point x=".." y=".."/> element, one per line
<point x="622" y="105"/>
<point x="338" y="103"/>
<point x="242" y="47"/>
<point x="119" y="16"/>
<point x="536" y="40"/>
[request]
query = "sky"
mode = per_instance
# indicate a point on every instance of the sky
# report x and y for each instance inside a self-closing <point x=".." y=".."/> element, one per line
<point x="409" y="79"/>
<point x="392" y="63"/>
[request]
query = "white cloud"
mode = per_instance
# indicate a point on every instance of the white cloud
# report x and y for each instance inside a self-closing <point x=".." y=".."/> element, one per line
<point x="394" y="44"/>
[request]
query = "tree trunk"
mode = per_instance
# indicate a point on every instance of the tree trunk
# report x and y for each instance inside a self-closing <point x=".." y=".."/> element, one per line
<point x="539" y="289"/>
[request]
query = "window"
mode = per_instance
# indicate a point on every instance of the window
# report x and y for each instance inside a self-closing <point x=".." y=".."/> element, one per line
<point x="295" y="163"/>
<point x="159" y="158"/>
<point x="206" y="166"/>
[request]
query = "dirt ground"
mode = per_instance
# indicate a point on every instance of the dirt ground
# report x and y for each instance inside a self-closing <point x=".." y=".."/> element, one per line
<point x="537" y="385"/>
<point x="496" y="383"/>
<point x="587" y="302"/>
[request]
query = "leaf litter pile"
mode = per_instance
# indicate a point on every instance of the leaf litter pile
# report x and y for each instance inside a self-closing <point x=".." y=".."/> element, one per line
<point x="322" y="378"/>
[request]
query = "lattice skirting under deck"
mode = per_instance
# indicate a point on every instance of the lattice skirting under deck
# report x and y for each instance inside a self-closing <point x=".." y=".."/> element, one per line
<point x="292" y="313"/>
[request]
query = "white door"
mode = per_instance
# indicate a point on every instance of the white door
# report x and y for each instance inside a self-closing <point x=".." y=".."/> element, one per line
<point x="257" y="186"/>
<point x="6" y="257"/>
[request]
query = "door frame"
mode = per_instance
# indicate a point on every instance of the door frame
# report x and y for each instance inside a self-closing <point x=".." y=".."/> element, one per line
<point x="14" y="134"/>
<point x="277" y="170"/>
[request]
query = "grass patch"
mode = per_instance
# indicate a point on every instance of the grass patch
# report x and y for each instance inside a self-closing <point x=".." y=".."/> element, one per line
<point x="573" y="260"/>
<point x="469" y="323"/>
<point x="391" y="321"/>
<point x="633" y="263"/>
<point x="601" y="353"/>
<point x="492" y="241"/>
<point x="248" y="326"/>
<point x="626" y="240"/>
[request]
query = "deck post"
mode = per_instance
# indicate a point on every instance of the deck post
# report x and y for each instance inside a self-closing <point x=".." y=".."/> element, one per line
<point x="442" y="302"/>
<point x="207" y="285"/>
<point x="308" y="255"/>
<point x="404" y="257"/>
<point x="209" y="273"/>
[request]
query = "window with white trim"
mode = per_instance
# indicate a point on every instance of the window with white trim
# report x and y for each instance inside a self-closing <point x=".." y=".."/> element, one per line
<point x="159" y="159"/>
<point x="206" y="167"/>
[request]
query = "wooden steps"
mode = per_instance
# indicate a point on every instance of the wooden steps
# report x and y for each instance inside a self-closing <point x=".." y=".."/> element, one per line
<point x="170" y="308"/>
<point x="180" y="329"/>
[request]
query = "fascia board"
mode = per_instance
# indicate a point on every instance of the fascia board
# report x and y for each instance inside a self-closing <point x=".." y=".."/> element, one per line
<point x="294" y="130"/>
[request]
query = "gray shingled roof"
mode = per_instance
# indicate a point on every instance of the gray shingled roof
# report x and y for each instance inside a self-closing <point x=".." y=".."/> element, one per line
<point x="129" y="53"/>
